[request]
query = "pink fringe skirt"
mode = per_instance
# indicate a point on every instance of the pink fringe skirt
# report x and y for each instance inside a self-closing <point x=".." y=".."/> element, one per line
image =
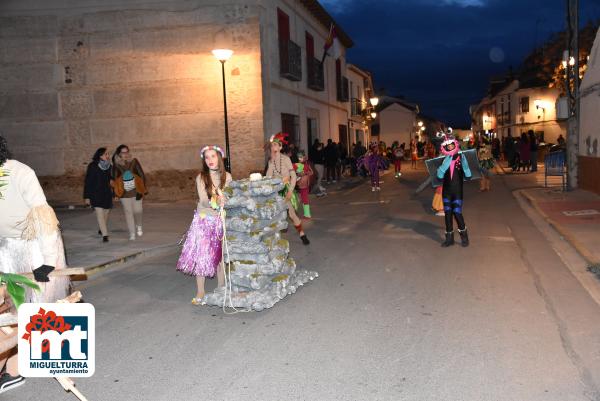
<point x="201" y="253"/>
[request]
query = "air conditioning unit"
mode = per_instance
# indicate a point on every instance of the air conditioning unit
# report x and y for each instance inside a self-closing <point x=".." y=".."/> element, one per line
<point x="562" y="108"/>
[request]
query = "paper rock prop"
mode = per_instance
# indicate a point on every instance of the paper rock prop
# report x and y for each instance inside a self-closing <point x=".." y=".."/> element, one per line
<point x="262" y="272"/>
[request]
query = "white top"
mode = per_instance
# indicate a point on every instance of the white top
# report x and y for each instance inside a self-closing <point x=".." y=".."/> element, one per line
<point x="21" y="193"/>
<point x="203" y="200"/>
<point x="281" y="166"/>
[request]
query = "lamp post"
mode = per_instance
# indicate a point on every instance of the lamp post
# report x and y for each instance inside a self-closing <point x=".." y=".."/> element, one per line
<point x="223" y="55"/>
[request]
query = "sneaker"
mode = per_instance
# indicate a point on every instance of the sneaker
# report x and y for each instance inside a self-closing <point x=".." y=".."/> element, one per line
<point x="372" y="189"/>
<point x="131" y="237"/>
<point x="105" y="238"/>
<point x="139" y="231"/>
<point x="379" y="188"/>
<point x="8" y="382"/>
<point x="440" y="213"/>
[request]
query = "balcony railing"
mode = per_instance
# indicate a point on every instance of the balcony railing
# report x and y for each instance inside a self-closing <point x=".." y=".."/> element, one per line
<point x="290" y="60"/>
<point x="356" y="107"/>
<point x="342" y="89"/>
<point x="314" y="74"/>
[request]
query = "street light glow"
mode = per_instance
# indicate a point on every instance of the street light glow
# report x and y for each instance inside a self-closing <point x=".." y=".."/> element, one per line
<point x="422" y="128"/>
<point x="373" y="114"/>
<point x="374" y="101"/>
<point x="222" y="54"/>
<point x="420" y="123"/>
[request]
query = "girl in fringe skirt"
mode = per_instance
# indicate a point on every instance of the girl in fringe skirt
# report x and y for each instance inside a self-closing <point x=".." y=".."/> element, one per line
<point x="202" y="249"/>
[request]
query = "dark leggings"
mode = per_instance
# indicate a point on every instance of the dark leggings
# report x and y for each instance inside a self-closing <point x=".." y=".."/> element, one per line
<point x="453" y="207"/>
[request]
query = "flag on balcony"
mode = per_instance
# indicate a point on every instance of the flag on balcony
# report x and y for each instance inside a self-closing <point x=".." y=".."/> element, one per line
<point x="332" y="45"/>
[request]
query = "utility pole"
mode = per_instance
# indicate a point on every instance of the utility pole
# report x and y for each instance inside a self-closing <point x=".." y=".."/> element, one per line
<point x="572" y="93"/>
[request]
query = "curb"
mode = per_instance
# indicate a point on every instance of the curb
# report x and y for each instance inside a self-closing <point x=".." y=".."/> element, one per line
<point x="160" y="250"/>
<point x="563" y="232"/>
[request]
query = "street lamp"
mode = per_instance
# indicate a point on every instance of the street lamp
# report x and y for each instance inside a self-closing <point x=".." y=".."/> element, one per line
<point x="223" y="55"/>
<point x="420" y="123"/>
<point x="374" y="101"/>
<point x="373" y="115"/>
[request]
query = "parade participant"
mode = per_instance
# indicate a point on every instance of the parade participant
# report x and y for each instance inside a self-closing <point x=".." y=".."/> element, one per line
<point x="373" y="162"/>
<point x="202" y="250"/>
<point x="437" y="204"/>
<point x="130" y="188"/>
<point x="97" y="191"/>
<point x="30" y="239"/>
<point x="398" y="154"/>
<point x="452" y="172"/>
<point x="304" y="173"/>
<point x="413" y="153"/>
<point x="280" y="166"/>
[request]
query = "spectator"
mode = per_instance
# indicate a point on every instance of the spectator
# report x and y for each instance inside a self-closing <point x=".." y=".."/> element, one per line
<point x="496" y="148"/>
<point x="97" y="191"/>
<point x="342" y="161"/>
<point x="524" y="153"/>
<point x="331" y="159"/>
<point x="130" y="188"/>
<point x="561" y="140"/>
<point x="533" y="147"/>
<point x="319" y="163"/>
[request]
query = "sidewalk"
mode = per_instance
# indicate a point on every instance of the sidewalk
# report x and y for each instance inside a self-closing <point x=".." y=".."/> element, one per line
<point x="575" y="215"/>
<point x="164" y="225"/>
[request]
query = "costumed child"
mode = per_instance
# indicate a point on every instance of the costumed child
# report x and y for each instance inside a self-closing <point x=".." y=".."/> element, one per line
<point x="202" y="250"/>
<point x="398" y="153"/>
<point x="304" y="173"/>
<point x="280" y="166"/>
<point x="30" y="242"/>
<point x="452" y="172"/>
<point x="373" y="162"/>
<point x="437" y="204"/>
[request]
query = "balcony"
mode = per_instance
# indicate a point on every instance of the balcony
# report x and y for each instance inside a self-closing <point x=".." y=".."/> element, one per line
<point x="356" y="107"/>
<point x="342" y="89"/>
<point x="290" y="60"/>
<point x="315" y="76"/>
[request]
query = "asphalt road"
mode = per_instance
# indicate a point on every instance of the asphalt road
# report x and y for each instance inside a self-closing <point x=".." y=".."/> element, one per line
<point x="393" y="316"/>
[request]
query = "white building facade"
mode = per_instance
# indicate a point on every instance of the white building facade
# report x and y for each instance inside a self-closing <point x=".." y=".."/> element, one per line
<point x="589" y="129"/>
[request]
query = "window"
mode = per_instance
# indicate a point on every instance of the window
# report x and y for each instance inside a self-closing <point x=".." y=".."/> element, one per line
<point x="314" y="68"/>
<point x="524" y="104"/>
<point x="290" y="65"/>
<point x="290" y="124"/>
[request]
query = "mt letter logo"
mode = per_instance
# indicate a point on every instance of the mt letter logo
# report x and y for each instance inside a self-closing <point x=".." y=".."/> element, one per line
<point x="56" y="340"/>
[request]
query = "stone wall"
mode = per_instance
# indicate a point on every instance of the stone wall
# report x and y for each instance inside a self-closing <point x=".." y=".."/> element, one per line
<point x="75" y="79"/>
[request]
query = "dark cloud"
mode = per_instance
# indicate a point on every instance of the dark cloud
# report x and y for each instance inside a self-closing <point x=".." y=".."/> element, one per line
<point x="441" y="53"/>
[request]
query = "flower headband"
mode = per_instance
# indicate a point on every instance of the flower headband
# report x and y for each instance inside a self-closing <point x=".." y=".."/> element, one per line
<point x="280" y="138"/>
<point x="211" y="147"/>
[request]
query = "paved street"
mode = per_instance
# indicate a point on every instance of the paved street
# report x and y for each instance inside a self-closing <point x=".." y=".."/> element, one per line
<point x="392" y="316"/>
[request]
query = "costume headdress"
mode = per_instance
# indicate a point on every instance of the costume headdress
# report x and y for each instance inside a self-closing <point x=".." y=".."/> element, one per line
<point x="211" y="147"/>
<point x="280" y="138"/>
<point x="448" y="140"/>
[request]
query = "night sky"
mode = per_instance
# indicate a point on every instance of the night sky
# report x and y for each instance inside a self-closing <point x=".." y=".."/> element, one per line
<point x="441" y="53"/>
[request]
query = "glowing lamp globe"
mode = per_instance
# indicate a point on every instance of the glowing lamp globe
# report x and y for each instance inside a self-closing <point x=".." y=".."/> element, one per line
<point x="222" y="54"/>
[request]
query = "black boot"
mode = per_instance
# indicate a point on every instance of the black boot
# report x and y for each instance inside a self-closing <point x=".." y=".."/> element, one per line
<point x="304" y="239"/>
<point x="449" y="239"/>
<point x="464" y="237"/>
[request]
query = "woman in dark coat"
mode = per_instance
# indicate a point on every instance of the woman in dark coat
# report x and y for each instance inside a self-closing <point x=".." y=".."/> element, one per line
<point x="97" y="190"/>
<point x="525" y="153"/>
